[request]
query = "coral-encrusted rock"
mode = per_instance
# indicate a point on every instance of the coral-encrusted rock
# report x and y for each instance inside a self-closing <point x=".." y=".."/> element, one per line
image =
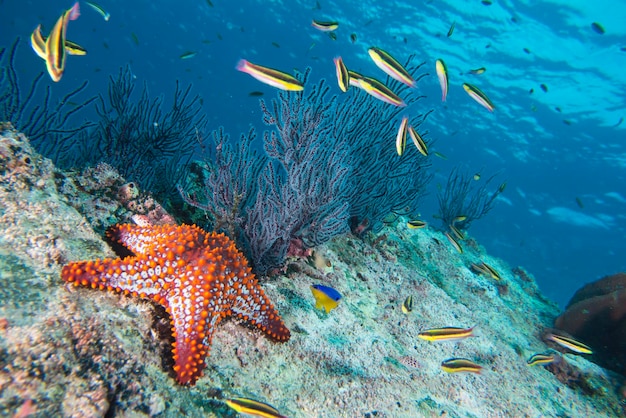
<point x="597" y="315"/>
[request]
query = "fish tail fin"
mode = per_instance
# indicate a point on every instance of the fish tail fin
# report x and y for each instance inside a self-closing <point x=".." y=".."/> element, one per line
<point x="74" y="11"/>
<point x="242" y="65"/>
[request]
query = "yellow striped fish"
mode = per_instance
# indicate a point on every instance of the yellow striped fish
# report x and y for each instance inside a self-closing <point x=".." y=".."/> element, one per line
<point x="270" y="76"/>
<point x="389" y="65"/>
<point x="343" y="77"/>
<point x="324" y="26"/>
<point x="401" y="137"/>
<point x="478" y="96"/>
<point x="380" y="91"/>
<point x="252" y="407"/>
<point x="416" y="224"/>
<point x="355" y="78"/>
<point x="540" y="359"/>
<point x="55" y="44"/>
<point x="418" y="141"/>
<point x="38" y="42"/>
<point x="105" y="15"/>
<point x="454" y="242"/>
<point x="407" y="306"/>
<point x="458" y="234"/>
<point x="446" y="334"/>
<point x="456" y="365"/>
<point x="570" y="344"/>
<point x="442" y="75"/>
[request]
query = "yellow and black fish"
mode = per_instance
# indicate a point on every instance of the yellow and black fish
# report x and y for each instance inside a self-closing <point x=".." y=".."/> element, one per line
<point x="270" y="76"/>
<point x="343" y="77"/>
<point x="55" y="52"/>
<point x="389" y="65"/>
<point x="418" y="141"/>
<point x="446" y="334"/>
<point x="541" y="359"/>
<point x="480" y="97"/>
<point x="324" y="26"/>
<point x="457" y="365"/>
<point x="407" y="306"/>
<point x="416" y="224"/>
<point x="252" y="407"/>
<point x="401" y="137"/>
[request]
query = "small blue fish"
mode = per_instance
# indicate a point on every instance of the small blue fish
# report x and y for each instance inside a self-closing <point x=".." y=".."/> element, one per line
<point x="326" y="298"/>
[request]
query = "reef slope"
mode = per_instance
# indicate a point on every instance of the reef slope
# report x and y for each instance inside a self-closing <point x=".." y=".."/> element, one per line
<point x="68" y="351"/>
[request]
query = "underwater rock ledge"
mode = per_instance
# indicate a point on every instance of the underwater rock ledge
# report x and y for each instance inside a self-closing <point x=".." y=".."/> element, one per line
<point x="68" y="351"/>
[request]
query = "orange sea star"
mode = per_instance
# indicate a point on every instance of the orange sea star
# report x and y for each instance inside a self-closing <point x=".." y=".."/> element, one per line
<point x="198" y="277"/>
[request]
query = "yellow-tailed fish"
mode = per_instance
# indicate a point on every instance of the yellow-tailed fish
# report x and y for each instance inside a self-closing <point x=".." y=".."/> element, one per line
<point x="401" y="137"/>
<point x="458" y="234"/>
<point x="478" y="96"/>
<point x="38" y="42"/>
<point x="105" y="15"/>
<point x="418" y="141"/>
<point x="457" y="365"/>
<point x="355" y="78"/>
<point x="477" y="176"/>
<point x="540" y="359"/>
<point x="325" y="26"/>
<point x="379" y="91"/>
<point x="570" y="344"/>
<point x="502" y="187"/>
<point x="478" y="71"/>
<point x="55" y="44"/>
<point x="451" y="30"/>
<point x="353" y="37"/>
<point x="459" y="218"/>
<point x="326" y="298"/>
<point x="73" y="48"/>
<point x="440" y="155"/>
<point x="270" y="76"/>
<point x="416" y="224"/>
<point x="343" y="78"/>
<point x="188" y="54"/>
<point x="389" y="65"/>
<point x="446" y="334"/>
<point x="492" y="272"/>
<point x="479" y="268"/>
<point x="252" y="407"/>
<point x="442" y="75"/>
<point x="454" y="242"/>
<point x="407" y="306"/>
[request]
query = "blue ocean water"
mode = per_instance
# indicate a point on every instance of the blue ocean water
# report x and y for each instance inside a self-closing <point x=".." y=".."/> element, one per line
<point x="561" y="151"/>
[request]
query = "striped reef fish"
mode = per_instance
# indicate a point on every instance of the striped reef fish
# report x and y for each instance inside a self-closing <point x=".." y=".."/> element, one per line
<point x="270" y="76"/>
<point x="389" y="65"/>
<point x="458" y="365"/>
<point x="446" y="334"/>
<point x="480" y="97"/>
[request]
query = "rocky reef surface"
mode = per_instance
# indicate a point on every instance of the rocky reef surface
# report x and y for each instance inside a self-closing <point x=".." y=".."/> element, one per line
<point x="79" y="352"/>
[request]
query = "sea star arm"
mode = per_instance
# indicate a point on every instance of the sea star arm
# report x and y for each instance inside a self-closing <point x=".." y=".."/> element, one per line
<point x="255" y="307"/>
<point x="131" y="275"/>
<point x="155" y="239"/>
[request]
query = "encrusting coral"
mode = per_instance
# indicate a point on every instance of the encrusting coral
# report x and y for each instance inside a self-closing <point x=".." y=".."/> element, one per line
<point x="200" y="278"/>
<point x="597" y="314"/>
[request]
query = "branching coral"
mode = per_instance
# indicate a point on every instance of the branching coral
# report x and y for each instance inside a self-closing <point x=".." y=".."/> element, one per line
<point x="49" y="124"/>
<point x="461" y="203"/>
<point x="146" y="143"/>
<point x="327" y="161"/>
